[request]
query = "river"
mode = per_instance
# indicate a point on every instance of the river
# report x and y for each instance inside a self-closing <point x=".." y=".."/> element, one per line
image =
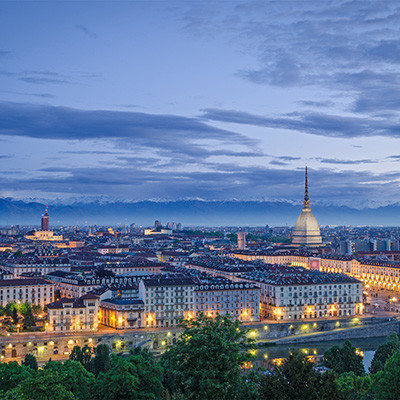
<point x="273" y="355"/>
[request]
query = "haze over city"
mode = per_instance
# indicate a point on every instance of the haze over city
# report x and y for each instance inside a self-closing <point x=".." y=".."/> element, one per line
<point x="197" y="100"/>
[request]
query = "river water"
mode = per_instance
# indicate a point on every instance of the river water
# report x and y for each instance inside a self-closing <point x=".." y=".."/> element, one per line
<point x="269" y="356"/>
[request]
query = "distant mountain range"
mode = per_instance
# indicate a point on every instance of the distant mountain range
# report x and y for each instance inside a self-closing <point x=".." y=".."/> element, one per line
<point x="192" y="213"/>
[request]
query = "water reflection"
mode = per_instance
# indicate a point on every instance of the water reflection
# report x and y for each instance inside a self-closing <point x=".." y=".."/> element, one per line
<point x="268" y="357"/>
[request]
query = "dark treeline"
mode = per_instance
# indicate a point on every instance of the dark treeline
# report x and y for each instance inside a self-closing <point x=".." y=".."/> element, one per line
<point x="212" y="360"/>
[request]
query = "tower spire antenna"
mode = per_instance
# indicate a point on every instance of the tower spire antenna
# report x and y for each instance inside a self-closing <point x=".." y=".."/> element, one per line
<point x="306" y="201"/>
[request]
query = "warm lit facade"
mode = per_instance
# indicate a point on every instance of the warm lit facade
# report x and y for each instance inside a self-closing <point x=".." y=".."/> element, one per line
<point x="47" y="236"/>
<point x="73" y="315"/>
<point x="167" y="300"/>
<point x="122" y="308"/>
<point x="240" y="300"/>
<point x="29" y="290"/>
<point x="290" y="293"/>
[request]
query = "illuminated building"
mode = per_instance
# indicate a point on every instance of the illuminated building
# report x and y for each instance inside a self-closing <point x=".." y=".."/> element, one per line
<point x="306" y="231"/>
<point x="166" y="300"/>
<point x="45" y="234"/>
<point x="295" y="293"/>
<point x="121" y="308"/>
<point x="69" y="314"/>
<point x="29" y="290"/>
<point x="18" y="266"/>
<point x="240" y="300"/>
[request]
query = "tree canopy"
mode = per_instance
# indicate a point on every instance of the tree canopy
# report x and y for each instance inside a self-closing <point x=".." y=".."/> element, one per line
<point x="206" y="361"/>
<point x="344" y="359"/>
<point x="297" y="379"/>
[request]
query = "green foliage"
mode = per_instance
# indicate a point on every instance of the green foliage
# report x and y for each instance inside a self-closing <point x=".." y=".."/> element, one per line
<point x="23" y="308"/>
<point x="119" y="382"/>
<point x="2" y="310"/>
<point x="83" y="355"/>
<point x="149" y="373"/>
<point x="30" y="361"/>
<point x="18" y="254"/>
<point x="10" y="307"/>
<point x="386" y="383"/>
<point x="14" y="316"/>
<point x="383" y="352"/>
<point x="11" y="374"/>
<point x="297" y="379"/>
<point x="75" y="378"/>
<point x="47" y="385"/>
<point x="354" y="387"/>
<point x="57" y="295"/>
<point x="206" y="361"/>
<point x="233" y="237"/>
<point x="344" y="359"/>
<point x="36" y="309"/>
<point x="29" y="319"/>
<point x="101" y="361"/>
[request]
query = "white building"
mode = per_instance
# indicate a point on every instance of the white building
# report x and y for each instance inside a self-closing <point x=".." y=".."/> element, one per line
<point x="290" y="293"/>
<point x="73" y="315"/>
<point x="30" y="290"/>
<point x="167" y="300"/>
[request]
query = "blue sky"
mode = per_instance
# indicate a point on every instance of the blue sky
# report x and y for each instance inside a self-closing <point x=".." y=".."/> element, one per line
<point x="212" y="100"/>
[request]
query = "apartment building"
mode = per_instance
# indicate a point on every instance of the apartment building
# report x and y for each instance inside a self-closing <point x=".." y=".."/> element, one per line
<point x="290" y="293"/>
<point x="73" y="315"/>
<point x="167" y="300"/>
<point x="29" y="290"/>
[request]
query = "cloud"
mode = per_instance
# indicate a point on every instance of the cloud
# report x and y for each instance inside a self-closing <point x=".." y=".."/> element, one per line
<point x="86" y="31"/>
<point x="135" y="181"/>
<point x="5" y="54"/>
<point x="170" y="134"/>
<point x="42" y="80"/>
<point x="347" y="162"/>
<point x="312" y="123"/>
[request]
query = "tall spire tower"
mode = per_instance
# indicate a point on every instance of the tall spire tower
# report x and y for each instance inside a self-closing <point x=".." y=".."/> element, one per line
<point x="306" y="231"/>
<point x="306" y="201"/>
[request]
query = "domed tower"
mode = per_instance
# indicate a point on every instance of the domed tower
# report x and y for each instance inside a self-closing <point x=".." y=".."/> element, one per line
<point x="306" y="231"/>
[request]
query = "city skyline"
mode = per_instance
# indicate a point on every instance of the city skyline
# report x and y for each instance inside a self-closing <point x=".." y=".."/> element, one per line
<point x="132" y="101"/>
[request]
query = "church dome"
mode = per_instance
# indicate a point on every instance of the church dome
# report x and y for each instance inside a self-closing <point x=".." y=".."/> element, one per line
<point x="306" y="231"/>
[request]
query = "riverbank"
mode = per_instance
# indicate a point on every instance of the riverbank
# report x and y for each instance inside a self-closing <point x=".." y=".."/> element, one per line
<point x="358" y="332"/>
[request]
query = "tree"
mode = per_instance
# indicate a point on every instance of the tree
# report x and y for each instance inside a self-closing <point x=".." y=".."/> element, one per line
<point x="29" y="319"/>
<point x="119" y="382"/>
<point x="297" y="379"/>
<point x="83" y="355"/>
<point x="101" y="361"/>
<point x="18" y="254"/>
<point x="30" y="361"/>
<point x="36" y="309"/>
<point x="354" y="387"/>
<point x="14" y="316"/>
<point x="47" y="385"/>
<point x="75" y="378"/>
<point x="344" y="359"/>
<point x="383" y="352"/>
<point x="206" y="361"/>
<point x="2" y="310"/>
<point x="386" y="383"/>
<point x="9" y="308"/>
<point x="149" y="373"/>
<point x="23" y="308"/>
<point x="12" y="374"/>
<point x="57" y="294"/>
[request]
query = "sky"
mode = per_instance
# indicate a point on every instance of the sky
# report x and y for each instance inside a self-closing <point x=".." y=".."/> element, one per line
<point x="213" y="100"/>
